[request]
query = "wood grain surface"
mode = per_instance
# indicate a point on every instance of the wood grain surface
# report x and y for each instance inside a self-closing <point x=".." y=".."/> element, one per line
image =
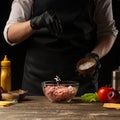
<point x="39" y="108"/>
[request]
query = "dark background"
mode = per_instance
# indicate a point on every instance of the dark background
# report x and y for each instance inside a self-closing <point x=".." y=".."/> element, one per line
<point x="17" y="53"/>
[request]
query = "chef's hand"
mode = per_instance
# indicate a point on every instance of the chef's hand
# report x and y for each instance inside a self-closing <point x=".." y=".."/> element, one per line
<point x="85" y="63"/>
<point x="47" y="19"/>
<point x="96" y="57"/>
<point x="94" y="72"/>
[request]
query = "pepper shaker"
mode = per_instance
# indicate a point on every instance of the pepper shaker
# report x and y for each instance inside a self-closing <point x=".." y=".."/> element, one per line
<point x="116" y="79"/>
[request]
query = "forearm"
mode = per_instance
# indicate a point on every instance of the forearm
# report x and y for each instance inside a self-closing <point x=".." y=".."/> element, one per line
<point x="18" y="32"/>
<point x="104" y="45"/>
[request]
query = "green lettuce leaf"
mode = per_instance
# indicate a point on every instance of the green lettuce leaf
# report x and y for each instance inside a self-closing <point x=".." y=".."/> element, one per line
<point x="90" y="97"/>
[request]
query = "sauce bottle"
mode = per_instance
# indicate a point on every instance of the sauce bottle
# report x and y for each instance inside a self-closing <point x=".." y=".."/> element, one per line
<point x="6" y="74"/>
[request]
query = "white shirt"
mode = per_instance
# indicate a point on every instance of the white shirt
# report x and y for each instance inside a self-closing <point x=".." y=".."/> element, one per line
<point x="21" y="11"/>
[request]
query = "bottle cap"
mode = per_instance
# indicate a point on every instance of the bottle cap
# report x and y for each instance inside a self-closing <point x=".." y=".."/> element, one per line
<point x="5" y="61"/>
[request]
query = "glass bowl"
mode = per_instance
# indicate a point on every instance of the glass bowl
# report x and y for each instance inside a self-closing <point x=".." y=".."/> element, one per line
<point x="60" y="91"/>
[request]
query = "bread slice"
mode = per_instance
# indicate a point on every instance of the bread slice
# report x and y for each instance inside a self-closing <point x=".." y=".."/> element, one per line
<point x="6" y="103"/>
<point x="112" y="105"/>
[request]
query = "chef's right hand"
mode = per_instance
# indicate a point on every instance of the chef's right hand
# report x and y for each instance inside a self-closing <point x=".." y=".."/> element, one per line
<point x="47" y="19"/>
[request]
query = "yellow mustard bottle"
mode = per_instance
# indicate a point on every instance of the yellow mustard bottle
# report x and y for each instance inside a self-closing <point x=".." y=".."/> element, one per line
<point x="6" y="74"/>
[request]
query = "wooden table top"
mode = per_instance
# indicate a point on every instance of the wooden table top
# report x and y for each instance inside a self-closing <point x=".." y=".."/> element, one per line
<point x="39" y="108"/>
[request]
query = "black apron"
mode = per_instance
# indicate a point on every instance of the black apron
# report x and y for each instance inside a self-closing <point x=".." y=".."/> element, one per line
<point x="48" y="56"/>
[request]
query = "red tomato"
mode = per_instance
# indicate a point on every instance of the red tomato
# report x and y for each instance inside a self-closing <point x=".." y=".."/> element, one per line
<point x="108" y="94"/>
<point x="113" y="96"/>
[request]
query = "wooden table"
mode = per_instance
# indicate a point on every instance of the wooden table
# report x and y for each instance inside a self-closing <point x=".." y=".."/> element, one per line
<point x="39" y="108"/>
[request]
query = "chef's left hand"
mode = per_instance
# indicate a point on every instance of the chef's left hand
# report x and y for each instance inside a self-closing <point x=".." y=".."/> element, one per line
<point x="82" y="65"/>
<point x="96" y="57"/>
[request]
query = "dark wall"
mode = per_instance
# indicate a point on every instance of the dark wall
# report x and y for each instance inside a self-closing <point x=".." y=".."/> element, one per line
<point x="17" y="53"/>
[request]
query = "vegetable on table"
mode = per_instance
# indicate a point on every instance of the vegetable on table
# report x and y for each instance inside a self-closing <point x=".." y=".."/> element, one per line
<point x="104" y="95"/>
<point x="108" y="94"/>
<point x="90" y="97"/>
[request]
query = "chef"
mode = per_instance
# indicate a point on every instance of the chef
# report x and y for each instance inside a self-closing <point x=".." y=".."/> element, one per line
<point x="60" y="33"/>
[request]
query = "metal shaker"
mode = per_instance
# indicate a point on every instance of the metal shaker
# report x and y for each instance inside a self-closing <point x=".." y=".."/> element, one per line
<point x="116" y="79"/>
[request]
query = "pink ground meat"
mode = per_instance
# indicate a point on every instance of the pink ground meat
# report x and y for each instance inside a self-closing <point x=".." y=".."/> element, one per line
<point x="59" y="93"/>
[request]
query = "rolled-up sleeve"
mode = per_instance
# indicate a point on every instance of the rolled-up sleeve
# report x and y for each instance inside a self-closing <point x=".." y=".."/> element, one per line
<point x="104" y="18"/>
<point x="20" y="12"/>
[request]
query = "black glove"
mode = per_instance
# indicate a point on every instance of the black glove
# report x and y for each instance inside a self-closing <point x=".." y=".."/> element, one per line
<point x="47" y="19"/>
<point x="93" y="77"/>
<point x="96" y="57"/>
